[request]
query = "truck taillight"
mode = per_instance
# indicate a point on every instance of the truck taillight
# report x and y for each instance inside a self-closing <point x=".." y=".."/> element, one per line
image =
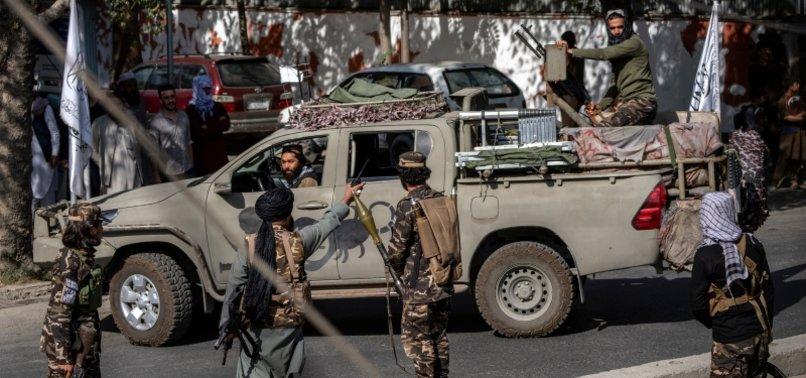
<point x="650" y="214"/>
<point x="285" y="100"/>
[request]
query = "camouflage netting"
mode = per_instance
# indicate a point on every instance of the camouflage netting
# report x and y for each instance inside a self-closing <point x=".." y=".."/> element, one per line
<point x="321" y="114"/>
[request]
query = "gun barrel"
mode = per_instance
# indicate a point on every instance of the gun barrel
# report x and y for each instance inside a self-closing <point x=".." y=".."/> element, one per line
<point x="395" y="278"/>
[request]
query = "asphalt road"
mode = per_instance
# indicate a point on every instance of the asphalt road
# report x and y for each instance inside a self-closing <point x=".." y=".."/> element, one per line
<point x="629" y="317"/>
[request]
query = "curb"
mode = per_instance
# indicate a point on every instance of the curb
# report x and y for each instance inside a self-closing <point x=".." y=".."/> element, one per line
<point x="25" y="292"/>
<point x="787" y="354"/>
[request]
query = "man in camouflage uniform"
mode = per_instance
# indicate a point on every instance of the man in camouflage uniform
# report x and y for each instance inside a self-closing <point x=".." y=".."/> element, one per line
<point x="631" y="96"/>
<point x="71" y="336"/>
<point x="275" y="319"/>
<point x="426" y="305"/>
<point x="732" y="291"/>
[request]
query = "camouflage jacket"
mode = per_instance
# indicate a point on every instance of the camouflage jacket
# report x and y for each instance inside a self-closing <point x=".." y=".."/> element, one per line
<point x="64" y="315"/>
<point x="282" y="311"/>
<point x="405" y="252"/>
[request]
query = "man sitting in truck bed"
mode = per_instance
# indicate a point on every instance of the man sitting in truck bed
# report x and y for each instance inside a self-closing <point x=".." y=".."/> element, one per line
<point x="631" y="97"/>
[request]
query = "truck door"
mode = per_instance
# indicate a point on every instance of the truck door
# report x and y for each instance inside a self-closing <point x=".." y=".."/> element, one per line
<point x="379" y="148"/>
<point x="230" y="212"/>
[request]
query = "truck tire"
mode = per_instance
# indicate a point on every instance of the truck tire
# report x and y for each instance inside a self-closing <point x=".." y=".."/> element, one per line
<point x="524" y="289"/>
<point x="151" y="299"/>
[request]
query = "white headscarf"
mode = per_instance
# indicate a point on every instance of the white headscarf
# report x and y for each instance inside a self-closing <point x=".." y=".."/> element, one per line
<point x="717" y="220"/>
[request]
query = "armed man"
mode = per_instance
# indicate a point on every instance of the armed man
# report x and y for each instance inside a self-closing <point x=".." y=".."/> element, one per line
<point x="265" y="313"/>
<point x="731" y="291"/>
<point x="71" y="336"/>
<point x="631" y="96"/>
<point x="427" y="301"/>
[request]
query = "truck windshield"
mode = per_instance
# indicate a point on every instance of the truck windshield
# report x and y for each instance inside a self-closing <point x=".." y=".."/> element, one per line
<point x="248" y="73"/>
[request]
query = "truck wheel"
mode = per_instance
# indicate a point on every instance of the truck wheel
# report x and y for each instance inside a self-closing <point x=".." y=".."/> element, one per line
<point x="151" y="299"/>
<point x="524" y="289"/>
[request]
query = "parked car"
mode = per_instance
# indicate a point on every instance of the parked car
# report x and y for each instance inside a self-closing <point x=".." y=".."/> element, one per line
<point x="249" y="87"/>
<point x="447" y="77"/>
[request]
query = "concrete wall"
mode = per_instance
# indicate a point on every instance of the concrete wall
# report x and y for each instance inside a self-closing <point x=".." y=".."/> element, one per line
<point x="338" y="43"/>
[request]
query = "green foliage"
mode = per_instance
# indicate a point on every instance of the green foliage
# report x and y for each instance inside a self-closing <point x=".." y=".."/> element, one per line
<point x="125" y="11"/>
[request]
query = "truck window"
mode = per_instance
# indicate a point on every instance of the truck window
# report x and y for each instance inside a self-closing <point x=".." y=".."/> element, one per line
<point x="380" y="152"/>
<point x="257" y="173"/>
<point x="248" y="73"/>
<point x="159" y="77"/>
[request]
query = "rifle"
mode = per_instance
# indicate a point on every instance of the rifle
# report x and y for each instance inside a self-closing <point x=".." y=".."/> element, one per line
<point x="368" y="221"/>
<point x="234" y="328"/>
<point x="86" y="338"/>
<point x="537" y="48"/>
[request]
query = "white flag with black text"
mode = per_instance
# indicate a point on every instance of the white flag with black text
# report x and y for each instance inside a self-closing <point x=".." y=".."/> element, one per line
<point x="707" y="84"/>
<point x="74" y="107"/>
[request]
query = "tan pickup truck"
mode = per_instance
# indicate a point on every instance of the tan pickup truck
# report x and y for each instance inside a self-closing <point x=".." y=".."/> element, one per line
<point x="528" y="240"/>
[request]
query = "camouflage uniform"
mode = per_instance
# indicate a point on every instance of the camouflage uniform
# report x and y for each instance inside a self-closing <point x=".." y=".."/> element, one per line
<point x="635" y="111"/>
<point x="426" y="307"/>
<point x="740" y="359"/>
<point x="67" y="316"/>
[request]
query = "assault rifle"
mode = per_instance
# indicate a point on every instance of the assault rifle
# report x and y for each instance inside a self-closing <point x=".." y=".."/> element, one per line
<point x="368" y="221"/>
<point x="234" y="328"/>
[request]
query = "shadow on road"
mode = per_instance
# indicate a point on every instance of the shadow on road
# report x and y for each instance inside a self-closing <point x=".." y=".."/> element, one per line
<point x="615" y="302"/>
<point x="785" y="199"/>
<point x="609" y="302"/>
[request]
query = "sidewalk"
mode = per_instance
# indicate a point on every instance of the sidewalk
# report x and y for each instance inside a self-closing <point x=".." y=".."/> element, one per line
<point x="787" y="354"/>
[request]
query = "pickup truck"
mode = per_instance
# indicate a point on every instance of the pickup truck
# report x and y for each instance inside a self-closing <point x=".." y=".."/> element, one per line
<point x="528" y="240"/>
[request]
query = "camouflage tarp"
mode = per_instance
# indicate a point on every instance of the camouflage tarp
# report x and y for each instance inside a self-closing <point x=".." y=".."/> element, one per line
<point x="320" y="114"/>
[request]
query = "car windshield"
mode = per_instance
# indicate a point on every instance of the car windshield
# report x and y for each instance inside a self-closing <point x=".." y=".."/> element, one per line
<point x="248" y="73"/>
<point x="495" y="82"/>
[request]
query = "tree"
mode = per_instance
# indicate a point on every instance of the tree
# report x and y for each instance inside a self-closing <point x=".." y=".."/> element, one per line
<point x="246" y="45"/>
<point x="132" y="18"/>
<point x="16" y="94"/>
<point x="384" y="31"/>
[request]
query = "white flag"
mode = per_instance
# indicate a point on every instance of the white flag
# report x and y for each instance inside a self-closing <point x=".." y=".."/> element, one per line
<point x="707" y="84"/>
<point x="74" y="108"/>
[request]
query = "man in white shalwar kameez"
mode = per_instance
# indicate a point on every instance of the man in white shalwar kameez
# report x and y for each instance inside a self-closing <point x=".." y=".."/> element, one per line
<point x="45" y="151"/>
<point x="118" y="155"/>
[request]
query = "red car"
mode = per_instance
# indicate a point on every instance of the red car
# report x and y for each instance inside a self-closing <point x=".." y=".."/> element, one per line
<point x="249" y="87"/>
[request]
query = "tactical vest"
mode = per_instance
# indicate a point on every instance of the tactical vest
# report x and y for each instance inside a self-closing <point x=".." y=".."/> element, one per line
<point x="285" y="309"/>
<point x="90" y="284"/>
<point x="719" y="301"/>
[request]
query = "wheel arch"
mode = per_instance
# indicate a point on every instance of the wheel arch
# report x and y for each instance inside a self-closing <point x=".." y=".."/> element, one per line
<point x="168" y="241"/>
<point x="496" y="239"/>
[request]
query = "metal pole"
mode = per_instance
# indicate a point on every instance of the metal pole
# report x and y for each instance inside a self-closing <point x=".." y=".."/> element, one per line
<point x="169" y="37"/>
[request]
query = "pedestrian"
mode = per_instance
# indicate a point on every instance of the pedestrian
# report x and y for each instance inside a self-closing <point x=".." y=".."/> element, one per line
<point x="71" y="335"/>
<point x="732" y="291"/>
<point x="273" y="317"/>
<point x="127" y="90"/>
<point x="792" y="146"/>
<point x="45" y="151"/>
<point x="117" y="153"/>
<point x="426" y="305"/>
<point x="631" y="96"/>
<point x="208" y="122"/>
<point x="170" y="128"/>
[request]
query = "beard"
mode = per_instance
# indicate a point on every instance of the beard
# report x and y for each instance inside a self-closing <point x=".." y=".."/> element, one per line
<point x="91" y="239"/>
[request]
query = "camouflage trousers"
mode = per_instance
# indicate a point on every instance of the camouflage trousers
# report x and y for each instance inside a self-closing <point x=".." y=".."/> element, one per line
<point x="424" y="334"/>
<point x="636" y="111"/>
<point x="740" y="359"/>
<point x="91" y="366"/>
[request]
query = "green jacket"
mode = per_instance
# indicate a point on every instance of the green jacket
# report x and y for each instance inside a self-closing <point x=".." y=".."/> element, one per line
<point x="631" y="72"/>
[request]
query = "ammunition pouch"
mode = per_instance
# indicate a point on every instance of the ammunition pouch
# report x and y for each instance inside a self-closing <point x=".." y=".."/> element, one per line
<point x="437" y="227"/>
<point x="90" y="294"/>
<point x="719" y="301"/>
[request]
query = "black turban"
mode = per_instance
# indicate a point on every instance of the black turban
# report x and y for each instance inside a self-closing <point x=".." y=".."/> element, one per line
<point x="273" y="205"/>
